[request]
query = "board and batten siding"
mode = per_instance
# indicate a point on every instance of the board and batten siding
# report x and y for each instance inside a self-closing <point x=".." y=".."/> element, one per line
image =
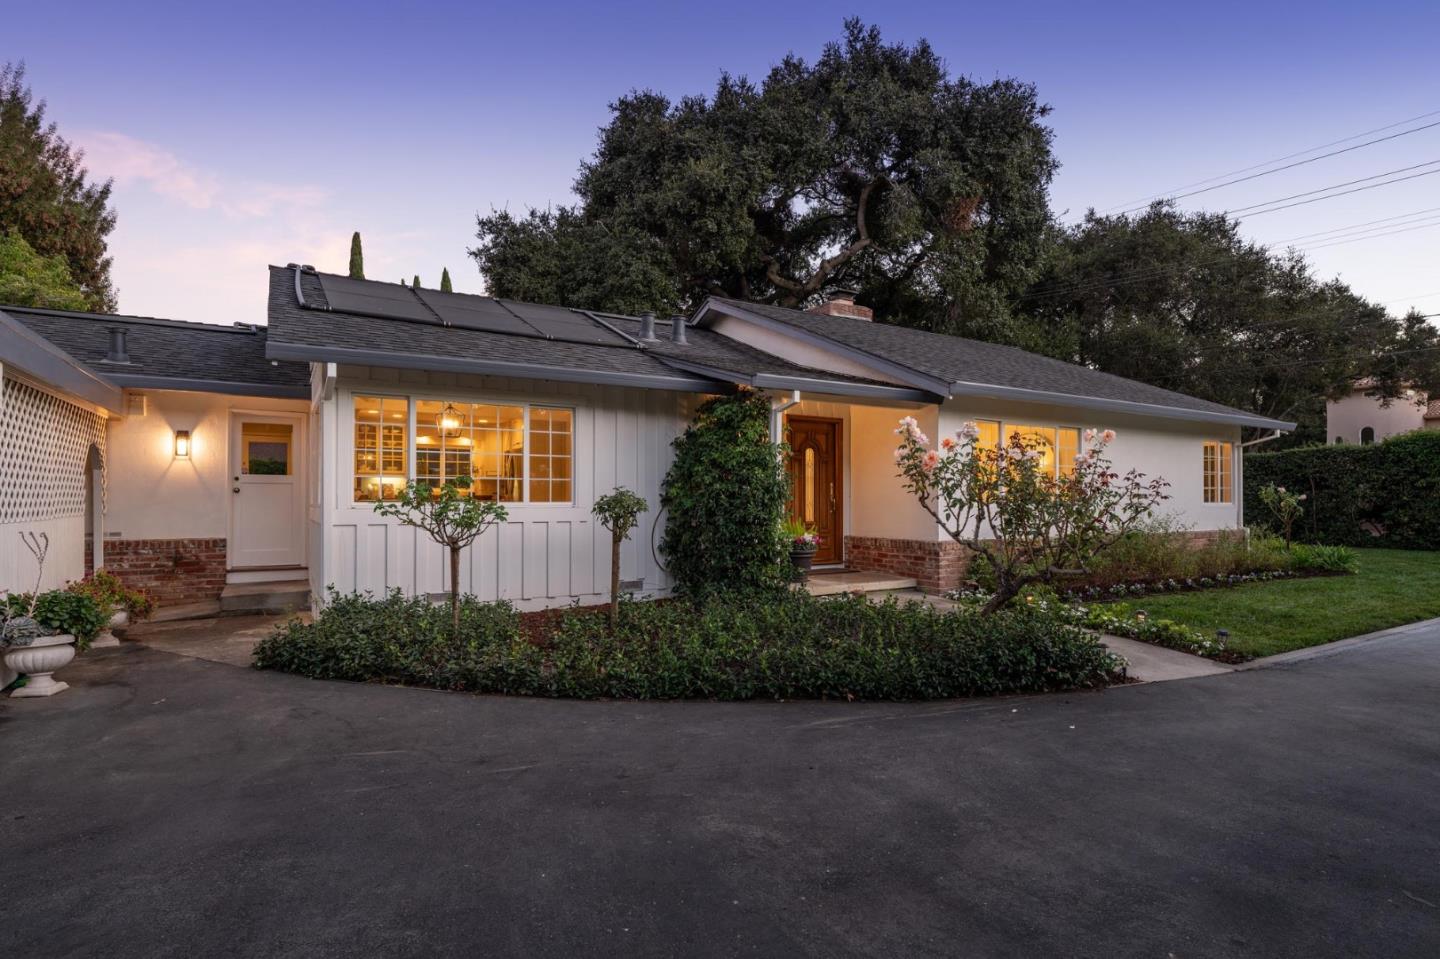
<point x="543" y="555"/>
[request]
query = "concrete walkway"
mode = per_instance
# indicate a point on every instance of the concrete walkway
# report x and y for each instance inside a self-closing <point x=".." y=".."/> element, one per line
<point x="1149" y="663"/>
<point x="226" y="639"/>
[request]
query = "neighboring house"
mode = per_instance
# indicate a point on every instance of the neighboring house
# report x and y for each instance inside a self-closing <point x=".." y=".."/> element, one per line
<point x="356" y="387"/>
<point x="1358" y="418"/>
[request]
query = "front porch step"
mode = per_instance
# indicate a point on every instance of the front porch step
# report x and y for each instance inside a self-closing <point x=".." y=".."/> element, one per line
<point x="856" y="581"/>
<point x="282" y="596"/>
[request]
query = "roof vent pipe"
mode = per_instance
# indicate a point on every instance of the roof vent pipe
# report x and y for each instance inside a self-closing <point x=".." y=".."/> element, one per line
<point x="647" y="328"/>
<point x="677" y="330"/>
<point x="116" y="353"/>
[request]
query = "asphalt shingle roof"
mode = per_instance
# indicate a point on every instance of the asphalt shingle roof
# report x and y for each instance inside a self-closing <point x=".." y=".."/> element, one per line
<point x="954" y="359"/>
<point x="169" y="349"/>
<point x="303" y="326"/>
<point x="294" y="325"/>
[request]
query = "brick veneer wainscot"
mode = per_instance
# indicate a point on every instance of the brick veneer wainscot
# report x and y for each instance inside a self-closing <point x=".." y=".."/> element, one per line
<point x="174" y="570"/>
<point x="936" y="566"/>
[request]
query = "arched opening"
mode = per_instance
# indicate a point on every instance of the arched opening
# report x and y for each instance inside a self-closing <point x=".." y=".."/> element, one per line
<point x="1367" y="435"/>
<point x="94" y="510"/>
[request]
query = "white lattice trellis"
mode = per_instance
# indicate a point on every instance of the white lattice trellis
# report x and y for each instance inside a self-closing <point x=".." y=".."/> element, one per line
<point x="44" y="442"/>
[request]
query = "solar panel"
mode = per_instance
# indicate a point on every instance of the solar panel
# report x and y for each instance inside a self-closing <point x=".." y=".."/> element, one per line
<point x="373" y="299"/>
<point x="476" y="313"/>
<point x="465" y="311"/>
<point x="559" y="323"/>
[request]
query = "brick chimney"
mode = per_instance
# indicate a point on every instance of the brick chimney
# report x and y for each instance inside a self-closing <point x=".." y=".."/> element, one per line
<point x="842" y="303"/>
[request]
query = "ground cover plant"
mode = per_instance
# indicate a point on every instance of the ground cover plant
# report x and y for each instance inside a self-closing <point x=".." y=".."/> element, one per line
<point x="727" y="647"/>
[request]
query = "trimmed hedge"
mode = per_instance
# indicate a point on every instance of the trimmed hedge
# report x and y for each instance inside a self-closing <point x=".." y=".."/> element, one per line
<point x="730" y="647"/>
<point x="1387" y="494"/>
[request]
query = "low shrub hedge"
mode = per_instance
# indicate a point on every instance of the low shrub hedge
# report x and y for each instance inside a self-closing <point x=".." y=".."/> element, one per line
<point x="1386" y="494"/>
<point x="728" y="647"/>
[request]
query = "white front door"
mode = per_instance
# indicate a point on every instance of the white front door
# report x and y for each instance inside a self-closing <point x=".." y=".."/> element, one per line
<point x="267" y="490"/>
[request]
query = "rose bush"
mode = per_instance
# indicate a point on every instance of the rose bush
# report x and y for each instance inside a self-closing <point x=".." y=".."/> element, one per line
<point x="1032" y="521"/>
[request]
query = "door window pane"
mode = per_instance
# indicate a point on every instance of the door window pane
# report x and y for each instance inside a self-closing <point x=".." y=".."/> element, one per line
<point x="381" y="425"/>
<point x="265" y="449"/>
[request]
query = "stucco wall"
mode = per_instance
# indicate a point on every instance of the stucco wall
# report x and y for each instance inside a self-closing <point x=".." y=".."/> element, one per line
<point x="152" y="494"/>
<point x="1172" y="449"/>
<point x="544" y="555"/>
<point x="1346" y="417"/>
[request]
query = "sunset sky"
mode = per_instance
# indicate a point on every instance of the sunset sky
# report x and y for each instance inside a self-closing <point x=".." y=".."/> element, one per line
<point x="245" y="135"/>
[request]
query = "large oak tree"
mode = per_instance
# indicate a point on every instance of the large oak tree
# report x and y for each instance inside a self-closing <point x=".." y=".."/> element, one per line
<point x="872" y="169"/>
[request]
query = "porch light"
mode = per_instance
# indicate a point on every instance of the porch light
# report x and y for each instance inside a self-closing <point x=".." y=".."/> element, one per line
<point x="182" y="444"/>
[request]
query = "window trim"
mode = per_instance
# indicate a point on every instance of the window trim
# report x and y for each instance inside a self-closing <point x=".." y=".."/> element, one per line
<point x="1001" y="425"/>
<point x="1224" y="478"/>
<point x="415" y="397"/>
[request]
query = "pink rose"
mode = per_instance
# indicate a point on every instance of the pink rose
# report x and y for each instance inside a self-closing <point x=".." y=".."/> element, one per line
<point x="931" y="460"/>
<point x="1108" y="436"/>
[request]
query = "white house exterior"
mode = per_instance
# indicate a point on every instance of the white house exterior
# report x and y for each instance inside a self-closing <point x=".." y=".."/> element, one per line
<point x="1358" y="418"/>
<point x="233" y="459"/>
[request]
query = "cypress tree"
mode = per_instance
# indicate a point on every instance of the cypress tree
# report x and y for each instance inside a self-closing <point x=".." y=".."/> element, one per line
<point x="357" y="258"/>
<point x="416" y="282"/>
<point x="445" y="281"/>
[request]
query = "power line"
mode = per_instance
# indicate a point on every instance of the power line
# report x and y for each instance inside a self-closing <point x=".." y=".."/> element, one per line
<point x="1291" y="166"/>
<point x="1335" y="186"/>
<point x="1375" y="236"/>
<point x="1288" y="156"/>
<point x="1149" y="273"/>
<point x="1339" y="229"/>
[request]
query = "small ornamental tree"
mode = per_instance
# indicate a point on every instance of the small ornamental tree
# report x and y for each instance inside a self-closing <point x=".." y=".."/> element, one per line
<point x="415" y="283"/>
<point x="1284" y="506"/>
<point x="618" y="511"/>
<point x="445" y="286"/>
<point x="357" y="258"/>
<point x="726" y="495"/>
<point x="1008" y="505"/>
<point x="451" y="516"/>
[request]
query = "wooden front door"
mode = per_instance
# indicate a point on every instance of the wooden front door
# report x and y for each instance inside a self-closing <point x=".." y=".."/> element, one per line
<point x="816" y="493"/>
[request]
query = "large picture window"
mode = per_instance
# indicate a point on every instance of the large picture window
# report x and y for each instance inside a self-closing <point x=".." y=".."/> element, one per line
<point x="381" y="426"/>
<point x="510" y="452"/>
<point x="1217" y="472"/>
<point x="1058" y="445"/>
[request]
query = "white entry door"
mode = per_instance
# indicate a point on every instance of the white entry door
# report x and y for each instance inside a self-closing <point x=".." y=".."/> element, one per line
<point x="267" y="490"/>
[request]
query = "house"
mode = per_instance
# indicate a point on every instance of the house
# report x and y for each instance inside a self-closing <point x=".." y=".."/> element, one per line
<point x="202" y="458"/>
<point x="1360" y="418"/>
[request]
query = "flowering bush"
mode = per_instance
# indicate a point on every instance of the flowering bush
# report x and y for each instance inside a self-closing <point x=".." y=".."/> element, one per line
<point x="1117" y="619"/>
<point x="1028" y="520"/>
<point x="1284" y="506"/>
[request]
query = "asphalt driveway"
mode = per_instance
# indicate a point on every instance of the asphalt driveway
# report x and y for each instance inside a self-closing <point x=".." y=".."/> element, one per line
<point x="168" y="806"/>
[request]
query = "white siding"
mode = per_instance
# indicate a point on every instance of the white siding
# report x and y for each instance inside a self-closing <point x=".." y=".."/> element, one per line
<point x="543" y="555"/>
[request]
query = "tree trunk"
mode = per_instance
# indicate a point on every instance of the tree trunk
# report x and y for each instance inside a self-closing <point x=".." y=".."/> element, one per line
<point x="455" y="590"/>
<point x="614" y="578"/>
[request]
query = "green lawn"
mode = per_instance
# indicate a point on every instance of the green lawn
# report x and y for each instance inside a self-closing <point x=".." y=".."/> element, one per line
<point x="1393" y="587"/>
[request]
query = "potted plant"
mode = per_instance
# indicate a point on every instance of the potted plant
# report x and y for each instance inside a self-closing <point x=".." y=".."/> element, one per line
<point x="121" y="602"/>
<point x="41" y="633"/>
<point x="803" y="541"/>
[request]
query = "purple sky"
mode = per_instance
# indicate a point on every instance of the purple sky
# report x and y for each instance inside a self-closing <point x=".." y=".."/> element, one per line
<point x="238" y="139"/>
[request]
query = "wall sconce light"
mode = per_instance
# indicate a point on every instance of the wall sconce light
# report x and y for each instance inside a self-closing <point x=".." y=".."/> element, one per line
<point x="182" y="444"/>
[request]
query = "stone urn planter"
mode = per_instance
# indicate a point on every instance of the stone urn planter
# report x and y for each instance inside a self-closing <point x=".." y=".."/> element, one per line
<point x="38" y="661"/>
<point x="118" y="618"/>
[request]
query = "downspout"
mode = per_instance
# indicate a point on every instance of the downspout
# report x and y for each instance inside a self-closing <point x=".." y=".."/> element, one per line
<point x="776" y="411"/>
<point x="1240" y="480"/>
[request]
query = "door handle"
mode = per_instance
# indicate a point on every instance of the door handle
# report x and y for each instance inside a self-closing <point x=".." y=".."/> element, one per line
<point x="234" y="489"/>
